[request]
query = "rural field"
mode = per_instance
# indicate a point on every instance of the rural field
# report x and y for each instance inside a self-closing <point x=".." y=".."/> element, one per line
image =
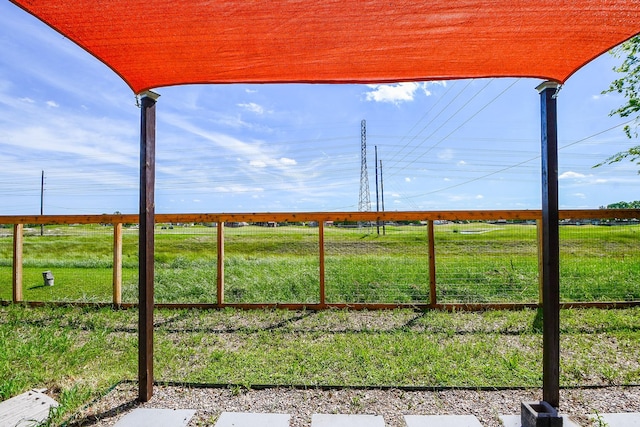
<point x="475" y="263"/>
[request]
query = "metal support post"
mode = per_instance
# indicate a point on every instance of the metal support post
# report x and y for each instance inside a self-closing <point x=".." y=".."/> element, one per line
<point x="551" y="243"/>
<point x="146" y="245"/>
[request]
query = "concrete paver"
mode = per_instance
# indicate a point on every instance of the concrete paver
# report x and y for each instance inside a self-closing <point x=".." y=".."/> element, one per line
<point x="27" y="409"/>
<point x="348" y="420"/>
<point x="150" y="417"/>
<point x="246" y="419"/>
<point x="442" y="421"/>
<point x="631" y="419"/>
<point x="514" y="421"/>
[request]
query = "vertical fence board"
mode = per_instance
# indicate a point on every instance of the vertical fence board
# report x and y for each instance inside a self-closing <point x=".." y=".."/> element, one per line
<point x="433" y="298"/>
<point x="17" y="262"/>
<point x="220" y="264"/>
<point x="117" y="263"/>
<point x="323" y="301"/>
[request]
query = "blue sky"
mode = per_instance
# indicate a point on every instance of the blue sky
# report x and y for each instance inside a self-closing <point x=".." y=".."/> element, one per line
<point x="467" y="144"/>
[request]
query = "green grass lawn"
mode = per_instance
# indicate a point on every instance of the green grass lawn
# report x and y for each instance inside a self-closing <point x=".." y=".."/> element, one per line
<point x="80" y="352"/>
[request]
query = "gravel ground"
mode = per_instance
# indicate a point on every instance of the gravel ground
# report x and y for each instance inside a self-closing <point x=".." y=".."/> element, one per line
<point x="392" y="404"/>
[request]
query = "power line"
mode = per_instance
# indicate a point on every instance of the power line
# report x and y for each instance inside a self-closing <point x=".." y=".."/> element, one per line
<point x="464" y="122"/>
<point x="518" y="164"/>
<point x="430" y="122"/>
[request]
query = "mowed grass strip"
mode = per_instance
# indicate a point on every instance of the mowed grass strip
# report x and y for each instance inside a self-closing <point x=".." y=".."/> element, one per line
<point x="80" y="352"/>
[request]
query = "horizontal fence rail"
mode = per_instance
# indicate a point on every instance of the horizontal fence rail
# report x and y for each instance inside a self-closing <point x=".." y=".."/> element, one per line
<point x="317" y="260"/>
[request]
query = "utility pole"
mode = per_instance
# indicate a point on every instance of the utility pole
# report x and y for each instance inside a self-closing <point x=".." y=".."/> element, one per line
<point x="364" y="202"/>
<point x="42" y="202"/>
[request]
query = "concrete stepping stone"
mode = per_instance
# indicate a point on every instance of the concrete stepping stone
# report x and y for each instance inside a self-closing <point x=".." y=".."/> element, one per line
<point x="347" y="420"/>
<point x="150" y="417"/>
<point x="27" y="409"/>
<point x="631" y="419"/>
<point x="514" y="421"/>
<point x="249" y="419"/>
<point x="442" y="421"/>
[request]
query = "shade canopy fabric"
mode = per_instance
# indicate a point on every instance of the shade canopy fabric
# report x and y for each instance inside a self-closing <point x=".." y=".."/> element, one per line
<point x="171" y="42"/>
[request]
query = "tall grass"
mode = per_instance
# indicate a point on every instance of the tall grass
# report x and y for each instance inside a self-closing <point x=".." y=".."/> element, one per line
<point x="475" y="262"/>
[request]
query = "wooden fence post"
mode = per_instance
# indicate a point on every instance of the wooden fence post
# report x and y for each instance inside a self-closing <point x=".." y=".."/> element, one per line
<point x="17" y="262"/>
<point x="323" y="301"/>
<point x="220" y="276"/>
<point x="433" y="298"/>
<point x="117" y="263"/>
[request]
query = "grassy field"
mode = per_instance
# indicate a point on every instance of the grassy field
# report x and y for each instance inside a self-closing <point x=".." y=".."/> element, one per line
<point x="80" y="352"/>
<point x="476" y="262"/>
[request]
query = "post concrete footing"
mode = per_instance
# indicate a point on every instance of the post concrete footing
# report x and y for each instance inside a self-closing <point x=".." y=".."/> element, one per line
<point x="539" y="414"/>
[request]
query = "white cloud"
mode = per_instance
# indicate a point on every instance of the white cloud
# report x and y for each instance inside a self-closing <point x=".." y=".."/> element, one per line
<point x="238" y="189"/>
<point x="571" y="175"/>
<point x="222" y="141"/>
<point x="446" y="154"/>
<point x="258" y="164"/>
<point x="252" y="107"/>
<point x="461" y="163"/>
<point x="58" y="134"/>
<point x="479" y="197"/>
<point x="399" y="92"/>
<point x="393" y="93"/>
<point x="580" y="195"/>
<point x="407" y="179"/>
<point x="52" y="104"/>
<point x="288" y="162"/>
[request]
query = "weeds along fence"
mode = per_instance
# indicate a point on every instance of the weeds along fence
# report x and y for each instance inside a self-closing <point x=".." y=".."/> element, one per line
<point x="454" y="259"/>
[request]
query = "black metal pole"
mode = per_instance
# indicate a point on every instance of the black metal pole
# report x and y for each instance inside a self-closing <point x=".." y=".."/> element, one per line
<point x="550" y="246"/>
<point x="146" y="245"/>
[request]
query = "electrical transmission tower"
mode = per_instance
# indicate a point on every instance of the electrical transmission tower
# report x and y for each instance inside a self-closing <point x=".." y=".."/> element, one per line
<point x="364" y="203"/>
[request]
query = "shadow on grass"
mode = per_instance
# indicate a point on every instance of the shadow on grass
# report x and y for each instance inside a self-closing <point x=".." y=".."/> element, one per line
<point x="538" y="321"/>
<point x="93" y="419"/>
<point x="40" y="286"/>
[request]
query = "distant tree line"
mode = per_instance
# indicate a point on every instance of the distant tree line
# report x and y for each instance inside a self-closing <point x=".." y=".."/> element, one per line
<point x="623" y="205"/>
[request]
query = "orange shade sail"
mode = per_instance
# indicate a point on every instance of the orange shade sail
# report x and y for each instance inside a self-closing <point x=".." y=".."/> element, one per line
<point x="154" y="43"/>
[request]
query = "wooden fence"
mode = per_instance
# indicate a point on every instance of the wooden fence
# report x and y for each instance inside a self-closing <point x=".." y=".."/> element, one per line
<point x="321" y="219"/>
